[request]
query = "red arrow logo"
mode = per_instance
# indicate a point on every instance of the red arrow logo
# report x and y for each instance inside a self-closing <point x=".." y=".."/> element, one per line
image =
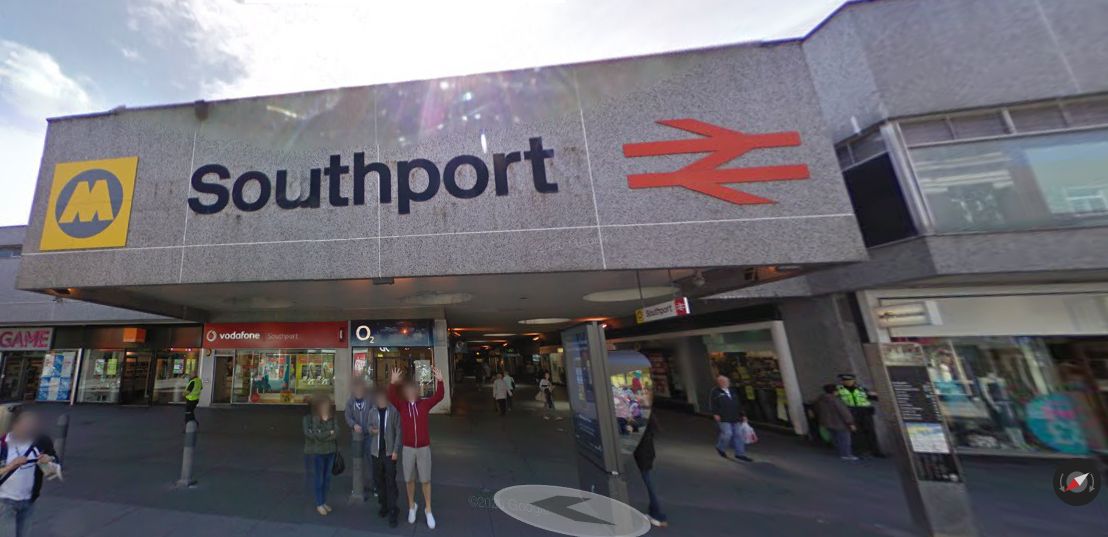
<point x="705" y="175"/>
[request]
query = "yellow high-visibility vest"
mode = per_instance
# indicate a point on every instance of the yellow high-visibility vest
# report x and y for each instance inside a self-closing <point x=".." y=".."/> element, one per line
<point x="857" y="397"/>
<point x="192" y="390"/>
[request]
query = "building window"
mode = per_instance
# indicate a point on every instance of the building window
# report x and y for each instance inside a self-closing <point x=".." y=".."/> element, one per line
<point x="878" y="201"/>
<point x="11" y="251"/>
<point x="1011" y="183"/>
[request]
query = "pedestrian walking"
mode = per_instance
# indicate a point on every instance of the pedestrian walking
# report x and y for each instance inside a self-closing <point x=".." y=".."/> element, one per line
<point x="192" y="397"/>
<point x="356" y="414"/>
<point x="835" y="416"/>
<point x="416" y="453"/>
<point x="385" y="443"/>
<point x="28" y="457"/>
<point x="644" y="460"/>
<point x="500" y="393"/>
<point x="320" y="446"/>
<point x="727" y="410"/>
<point x="860" y="402"/>
<point x="511" y="383"/>
<point x="546" y="388"/>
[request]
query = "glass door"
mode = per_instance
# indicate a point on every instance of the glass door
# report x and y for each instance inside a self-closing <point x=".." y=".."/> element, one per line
<point x="134" y="384"/>
<point x="172" y="371"/>
<point x="223" y="379"/>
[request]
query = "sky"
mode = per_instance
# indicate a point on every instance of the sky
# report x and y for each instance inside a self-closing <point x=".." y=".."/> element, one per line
<point x="63" y="57"/>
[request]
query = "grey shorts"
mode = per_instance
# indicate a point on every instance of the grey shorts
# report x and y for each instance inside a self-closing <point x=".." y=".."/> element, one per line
<point x="417" y="463"/>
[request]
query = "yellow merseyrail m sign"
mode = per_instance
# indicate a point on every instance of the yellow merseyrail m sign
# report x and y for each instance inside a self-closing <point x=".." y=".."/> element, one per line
<point x="90" y="204"/>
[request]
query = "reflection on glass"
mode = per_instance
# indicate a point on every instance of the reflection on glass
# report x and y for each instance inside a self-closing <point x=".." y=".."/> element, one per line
<point x="172" y="371"/>
<point x="1016" y="183"/>
<point x="1005" y="393"/>
<point x="282" y="377"/>
<point x="100" y="377"/>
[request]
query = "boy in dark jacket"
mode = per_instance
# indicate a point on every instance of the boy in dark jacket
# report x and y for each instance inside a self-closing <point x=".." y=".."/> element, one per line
<point x="24" y="454"/>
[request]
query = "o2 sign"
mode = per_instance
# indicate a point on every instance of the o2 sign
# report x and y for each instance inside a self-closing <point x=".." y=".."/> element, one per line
<point x="363" y="334"/>
<point x="392" y="333"/>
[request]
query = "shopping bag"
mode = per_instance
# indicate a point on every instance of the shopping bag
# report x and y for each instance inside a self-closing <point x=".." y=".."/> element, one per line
<point x="749" y="436"/>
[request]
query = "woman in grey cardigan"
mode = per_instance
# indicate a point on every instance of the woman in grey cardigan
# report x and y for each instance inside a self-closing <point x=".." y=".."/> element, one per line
<point x="320" y="447"/>
<point x="384" y="445"/>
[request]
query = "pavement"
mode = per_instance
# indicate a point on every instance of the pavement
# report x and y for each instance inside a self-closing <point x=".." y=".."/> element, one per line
<point x="121" y="464"/>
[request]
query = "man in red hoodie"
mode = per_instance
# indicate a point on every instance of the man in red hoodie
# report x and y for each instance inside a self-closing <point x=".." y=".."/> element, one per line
<point x="416" y="435"/>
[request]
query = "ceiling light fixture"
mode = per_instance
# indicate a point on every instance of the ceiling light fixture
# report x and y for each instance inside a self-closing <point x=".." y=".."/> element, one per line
<point x="631" y="293"/>
<point x="499" y="334"/>
<point x="435" y="298"/>
<point x="545" y="320"/>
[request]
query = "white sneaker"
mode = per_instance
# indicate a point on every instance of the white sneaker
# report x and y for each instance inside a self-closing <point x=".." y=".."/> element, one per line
<point x="430" y="519"/>
<point x="411" y="514"/>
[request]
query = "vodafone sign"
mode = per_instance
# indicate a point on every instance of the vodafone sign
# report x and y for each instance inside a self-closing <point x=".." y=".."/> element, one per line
<point x="274" y="335"/>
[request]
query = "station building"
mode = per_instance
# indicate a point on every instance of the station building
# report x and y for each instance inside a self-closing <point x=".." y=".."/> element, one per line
<point x="924" y="171"/>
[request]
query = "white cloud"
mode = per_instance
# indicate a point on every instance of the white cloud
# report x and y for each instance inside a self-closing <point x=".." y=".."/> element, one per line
<point x="254" y="47"/>
<point x="33" y="86"/>
<point x="131" y="54"/>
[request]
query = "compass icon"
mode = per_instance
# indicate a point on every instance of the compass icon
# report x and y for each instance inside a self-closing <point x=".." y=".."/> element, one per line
<point x="1076" y="482"/>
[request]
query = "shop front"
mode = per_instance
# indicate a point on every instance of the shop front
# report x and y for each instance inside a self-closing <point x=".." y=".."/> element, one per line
<point x="273" y="363"/>
<point x="1019" y="373"/>
<point x="756" y="357"/>
<point x="380" y="346"/>
<point x="23" y="351"/>
<point x="137" y="365"/>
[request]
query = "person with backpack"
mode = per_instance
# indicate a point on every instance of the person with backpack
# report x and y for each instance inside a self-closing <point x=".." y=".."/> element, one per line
<point x="27" y="457"/>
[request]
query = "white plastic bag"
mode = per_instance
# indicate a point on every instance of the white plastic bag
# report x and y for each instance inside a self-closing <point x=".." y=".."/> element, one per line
<point x="749" y="436"/>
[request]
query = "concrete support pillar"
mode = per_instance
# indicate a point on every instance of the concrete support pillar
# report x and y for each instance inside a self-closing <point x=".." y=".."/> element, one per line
<point x="824" y="342"/>
<point x="442" y="361"/>
<point x="691" y="357"/>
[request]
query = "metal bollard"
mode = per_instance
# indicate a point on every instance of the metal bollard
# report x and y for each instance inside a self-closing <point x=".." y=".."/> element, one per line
<point x="186" y="480"/>
<point x="357" y="493"/>
<point x="61" y="430"/>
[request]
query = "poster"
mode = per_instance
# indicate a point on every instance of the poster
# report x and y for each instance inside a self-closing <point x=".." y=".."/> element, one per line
<point x="55" y="381"/>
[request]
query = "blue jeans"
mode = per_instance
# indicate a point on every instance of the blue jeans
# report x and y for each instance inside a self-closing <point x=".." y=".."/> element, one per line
<point x="655" y="508"/>
<point x="729" y="435"/>
<point x="15" y="517"/>
<point x="321" y="475"/>
<point x="842" y="442"/>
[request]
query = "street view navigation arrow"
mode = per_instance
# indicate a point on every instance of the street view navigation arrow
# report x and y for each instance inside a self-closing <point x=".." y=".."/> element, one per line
<point x="571" y="511"/>
<point x="562" y="505"/>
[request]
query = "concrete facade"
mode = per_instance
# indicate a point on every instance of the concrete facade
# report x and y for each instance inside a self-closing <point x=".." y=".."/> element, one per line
<point x="584" y="113"/>
<point x="876" y="60"/>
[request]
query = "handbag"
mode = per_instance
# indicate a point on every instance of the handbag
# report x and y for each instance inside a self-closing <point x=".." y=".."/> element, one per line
<point x="339" y="466"/>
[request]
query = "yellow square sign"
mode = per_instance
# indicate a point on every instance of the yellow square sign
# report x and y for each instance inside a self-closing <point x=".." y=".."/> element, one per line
<point x="90" y="204"/>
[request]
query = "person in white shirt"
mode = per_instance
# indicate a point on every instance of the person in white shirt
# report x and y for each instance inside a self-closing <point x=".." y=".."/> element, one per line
<point x="25" y="453"/>
<point x="500" y="393"/>
<point x="546" y="388"/>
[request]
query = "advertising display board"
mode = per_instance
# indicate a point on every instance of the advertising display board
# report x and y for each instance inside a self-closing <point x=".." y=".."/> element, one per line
<point x="56" y="380"/>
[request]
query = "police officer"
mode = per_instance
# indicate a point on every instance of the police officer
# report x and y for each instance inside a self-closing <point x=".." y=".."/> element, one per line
<point x="192" y="397"/>
<point x="860" y="403"/>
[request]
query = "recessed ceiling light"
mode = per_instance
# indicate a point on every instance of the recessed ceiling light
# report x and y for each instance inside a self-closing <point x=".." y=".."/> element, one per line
<point x="545" y="320"/>
<point x="433" y="298"/>
<point x="499" y="334"/>
<point x="631" y="293"/>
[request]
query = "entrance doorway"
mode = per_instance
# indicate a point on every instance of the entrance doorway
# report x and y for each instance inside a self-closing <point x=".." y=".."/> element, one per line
<point x="223" y="379"/>
<point x="20" y="375"/>
<point x="135" y="382"/>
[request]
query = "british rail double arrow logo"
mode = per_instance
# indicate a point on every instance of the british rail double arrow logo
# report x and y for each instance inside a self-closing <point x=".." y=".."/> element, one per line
<point x="707" y="175"/>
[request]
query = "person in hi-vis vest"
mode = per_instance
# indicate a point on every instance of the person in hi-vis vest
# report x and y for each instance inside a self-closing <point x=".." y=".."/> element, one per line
<point x="860" y="402"/>
<point x="192" y="397"/>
